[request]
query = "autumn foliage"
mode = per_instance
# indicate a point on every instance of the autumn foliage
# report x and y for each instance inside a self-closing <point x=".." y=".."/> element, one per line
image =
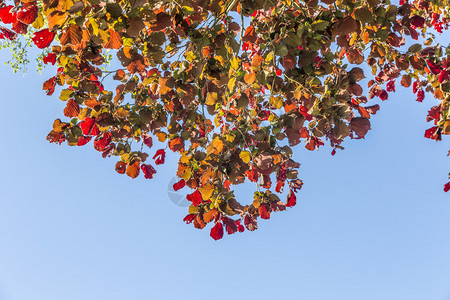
<point x="232" y="86"/>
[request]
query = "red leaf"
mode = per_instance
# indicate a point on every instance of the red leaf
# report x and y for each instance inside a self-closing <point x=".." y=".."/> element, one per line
<point x="433" y="67"/>
<point x="148" y="141"/>
<point x="264" y="211"/>
<point x="101" y="143"/>
<point x="159" y="157"/>
<point x="28" y="14"/>
<point x="179" y="185"/>
<point x="420" y="95"/>
<point x="217" y="231"/>
<point x="430" y="133"/>
<point x="43" y="38"/>
<point x="292" y="199"/>
<point x="189" y="218"/>
<point x="383" y="95"/>
<point x="148" y="171"/>
<point x="226" y="184"/>
<point x="7" y="34"/>
<point x="447" y="187"/>
<point x="443" y="76"/>
<point x="230" y="225"/>
<point x="49" y="58"/>
<point x="6" y="16"/>
<point x="195" y="198"/>
<point x="19" y="27"/>
<point x="86" y="125"/>
<point x="239" y="226"/>
<point x="83" y="140"/>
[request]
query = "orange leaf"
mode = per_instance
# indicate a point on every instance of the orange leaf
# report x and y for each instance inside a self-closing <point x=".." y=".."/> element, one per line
<point x="56" y="19"/>
<point x="210" y="215"/>
<point x="250" y="77"/>
<point x="133" y="170"/>
<point x="72" y="35"/>
<point x="72" y="109"/>
<point x="115" y="41"/>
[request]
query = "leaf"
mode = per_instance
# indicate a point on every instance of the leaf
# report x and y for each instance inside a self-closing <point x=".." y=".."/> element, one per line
<point x="148" y="171"/>
<point x="165" y="85"/>
<point x="211" y="98"/>
<point x="72" y="35"/>
<point x="345" y="26"/>
<point x="210" y="215"/>
<point x="115" y="41"/>
<point x="147" y="139"/>
<point x="56" y="19"/>
<point x="245" y="156"/>
<point x="179" y="185"/>
<point x="207" y="191"/>
<point x="250" y="77"/>
<point x="217" y="231"/>
<point x="27" y="14"/>
<point x="291" y="199"/>
<point x="72" y="109"/>
<point x="250" y="223"/>
<point x="360" y="126"/>
<point x="264" y="211"/>
<point x="160" y="157"/>
<point x="43" y="38"/>
<point x="195" y="198"/>
<point x="133" y="170"/>
<point x="121" y="167"/>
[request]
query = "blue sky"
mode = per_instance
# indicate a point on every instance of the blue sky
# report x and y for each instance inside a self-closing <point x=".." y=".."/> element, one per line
<point x="372" y="222"/>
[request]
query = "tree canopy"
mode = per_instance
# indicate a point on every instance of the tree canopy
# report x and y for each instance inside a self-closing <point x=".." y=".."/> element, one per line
<point x="231" y="86"/>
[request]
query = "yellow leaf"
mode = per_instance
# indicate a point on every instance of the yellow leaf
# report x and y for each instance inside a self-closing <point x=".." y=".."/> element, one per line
<point x="230" y="138"/>
<point x="220" y="59"/>
<point x="235" y="63"/>
<point x="276" y="102"/>
<point x="231" y="83"/>
<point x="122" y="113"/>
<point x="206" y="191"/>
<point x="245" y="156"/>
<point x="211" y="98"/>
<point x="187" y="174"/>
<point x="39" y="22"/>
<point x="184" y="159"/>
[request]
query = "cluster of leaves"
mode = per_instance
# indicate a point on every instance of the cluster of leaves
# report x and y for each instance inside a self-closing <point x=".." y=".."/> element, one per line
<point x="232" y="86"/>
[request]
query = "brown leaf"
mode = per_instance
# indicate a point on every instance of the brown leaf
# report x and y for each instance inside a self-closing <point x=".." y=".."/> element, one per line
<point x="406" y="81"/>
<point x="360" y="126"/>
<point x="345" y="26"/>
<point x="134" y="27"/>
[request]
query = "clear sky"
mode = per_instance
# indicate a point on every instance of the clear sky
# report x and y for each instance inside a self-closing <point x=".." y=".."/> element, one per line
<point x="371" y="223"/>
